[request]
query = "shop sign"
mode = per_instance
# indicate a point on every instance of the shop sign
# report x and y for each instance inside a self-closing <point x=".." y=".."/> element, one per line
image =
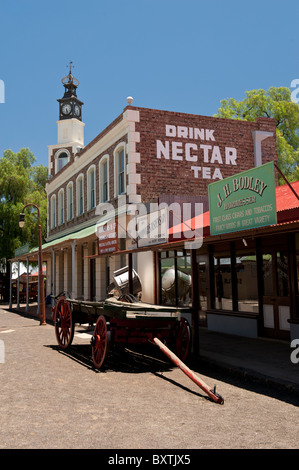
<point x="243" y="201"/>
<point x="107" y="238"/>
<point x="152" y="228"/>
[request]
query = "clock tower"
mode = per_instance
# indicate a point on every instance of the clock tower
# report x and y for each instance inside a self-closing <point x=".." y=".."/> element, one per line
<point x="70" y="135"/>
<point x="69" y="106"/>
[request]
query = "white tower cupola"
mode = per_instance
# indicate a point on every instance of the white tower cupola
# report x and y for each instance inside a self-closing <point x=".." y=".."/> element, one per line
<point x="70" y="127"/>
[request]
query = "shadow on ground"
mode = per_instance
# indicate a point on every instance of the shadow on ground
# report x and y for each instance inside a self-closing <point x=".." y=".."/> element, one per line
<point x="149" y="359"/>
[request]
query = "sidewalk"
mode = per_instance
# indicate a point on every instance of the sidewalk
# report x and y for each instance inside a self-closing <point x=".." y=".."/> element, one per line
<point x="260" y="358"/>
<point x="31" y="312"/>
<point x="263" y="359"/>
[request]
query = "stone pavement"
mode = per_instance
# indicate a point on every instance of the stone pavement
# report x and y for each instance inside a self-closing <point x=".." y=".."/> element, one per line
<point x="263" y="359"/>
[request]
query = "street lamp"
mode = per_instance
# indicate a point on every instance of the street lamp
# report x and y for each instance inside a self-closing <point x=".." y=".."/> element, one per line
<point x="40" y="263"/>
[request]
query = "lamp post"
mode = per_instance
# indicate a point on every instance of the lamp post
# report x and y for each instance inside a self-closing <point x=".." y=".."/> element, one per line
<point x="40" y="263"/>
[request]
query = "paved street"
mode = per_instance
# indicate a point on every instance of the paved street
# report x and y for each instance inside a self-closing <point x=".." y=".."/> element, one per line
<point x="56" y="400"/>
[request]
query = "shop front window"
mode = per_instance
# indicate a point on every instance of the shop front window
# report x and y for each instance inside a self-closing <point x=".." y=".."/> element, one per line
<point x="223" y="282"/>
<point x="247" y="284"/>
<point x="268" y="275"/>
<point x="202" y="264"/>
<point x="175" y="275"/>
<point x="282" y="274"/>
<point x="184" y="286"/>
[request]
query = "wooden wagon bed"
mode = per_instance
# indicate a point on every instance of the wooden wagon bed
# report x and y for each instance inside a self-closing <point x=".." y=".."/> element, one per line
<point x="121" y="322"/>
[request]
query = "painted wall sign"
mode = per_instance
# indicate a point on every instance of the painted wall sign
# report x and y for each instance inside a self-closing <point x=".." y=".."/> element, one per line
<point x="107" y="238"/>
<point x="243" y="201"/>
<point x="194" y="151"/>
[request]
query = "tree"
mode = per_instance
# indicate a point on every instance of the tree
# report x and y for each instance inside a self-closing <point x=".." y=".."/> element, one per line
<point x="20" y="183"/>
<point x="275" y="103"/>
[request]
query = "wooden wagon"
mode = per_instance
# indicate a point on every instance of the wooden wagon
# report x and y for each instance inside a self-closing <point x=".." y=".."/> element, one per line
<point x="125" y="320"/>
<point x="121" y="322"/>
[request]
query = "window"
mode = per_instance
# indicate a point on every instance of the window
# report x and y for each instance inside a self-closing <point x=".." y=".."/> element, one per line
<point x="247" y="282"/>
<point x="80" y="195"/>
<point x="104" y="179"/>
<point x="62" y="158"/>
<point x="235" y="286"/>
<point x="223" y="281"/>
<point x="70" y="213"/>
<point x="202" y="259"/>
<point x="91" y="188"/>
<point x="175" y="273"/>
<point x="53" y="212"/>
<point x="61" y="207"/>
<point x="119" y="170"/>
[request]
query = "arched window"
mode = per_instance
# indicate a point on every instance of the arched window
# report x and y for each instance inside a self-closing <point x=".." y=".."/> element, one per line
<point x="104" y="179"/>
<point x="121" y="171"/>
<point x="70" y="202"/>
<point x="62" y="157"/>
<point x="62" y="160"/>
<point x="61" y="207"/>
<point x="91" y="195"/>
<point x="80" y="195"/>
<point x="53" y="211"/>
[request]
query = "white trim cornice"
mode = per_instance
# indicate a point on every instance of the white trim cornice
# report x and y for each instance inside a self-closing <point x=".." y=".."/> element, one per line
<point x="117" y="132"/>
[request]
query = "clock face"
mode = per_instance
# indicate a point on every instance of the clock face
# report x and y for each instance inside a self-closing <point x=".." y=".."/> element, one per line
<point x="77" y="110"/>
<point x="66" y="108"/>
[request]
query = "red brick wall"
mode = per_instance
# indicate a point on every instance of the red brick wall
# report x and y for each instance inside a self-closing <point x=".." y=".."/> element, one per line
<point x="169" y="176"/>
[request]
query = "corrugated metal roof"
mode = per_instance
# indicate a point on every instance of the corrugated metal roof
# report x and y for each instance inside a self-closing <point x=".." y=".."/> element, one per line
<point x="287" y="206"/>
<point x="285" y="198"/>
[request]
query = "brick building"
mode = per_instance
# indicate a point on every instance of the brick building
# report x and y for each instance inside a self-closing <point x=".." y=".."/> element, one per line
<point x="148" y="156"/>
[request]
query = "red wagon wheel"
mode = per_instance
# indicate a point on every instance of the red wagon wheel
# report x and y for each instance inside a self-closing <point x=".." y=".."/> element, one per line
<point x="100" y="341"/>
<point x="182" y="339"/>
<point x="64" y="325"/>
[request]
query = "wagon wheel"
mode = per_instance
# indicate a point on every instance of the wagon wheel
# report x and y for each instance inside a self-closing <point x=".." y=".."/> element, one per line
<point x="182" y="339"/>
<point x="100" y="341"/>
<point x="64" y="325"/>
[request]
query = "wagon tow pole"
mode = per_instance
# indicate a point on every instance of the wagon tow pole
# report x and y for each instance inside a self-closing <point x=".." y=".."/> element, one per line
<point x="210" y="392"/>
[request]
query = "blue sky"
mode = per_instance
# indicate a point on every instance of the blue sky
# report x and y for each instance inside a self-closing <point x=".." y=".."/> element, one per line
<point x="167" y="54"/>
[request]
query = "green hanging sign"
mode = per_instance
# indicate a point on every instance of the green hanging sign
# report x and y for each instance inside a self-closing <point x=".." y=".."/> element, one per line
<point x="243" y="201"/>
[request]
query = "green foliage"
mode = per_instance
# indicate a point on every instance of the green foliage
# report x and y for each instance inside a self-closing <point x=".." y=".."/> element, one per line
<point x="20" y="183"/>
<point x="275" y="103"/>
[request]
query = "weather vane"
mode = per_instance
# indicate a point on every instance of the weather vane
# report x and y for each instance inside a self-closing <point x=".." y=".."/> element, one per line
<point x="69" y="79"/>
<point x="70" y="66"/>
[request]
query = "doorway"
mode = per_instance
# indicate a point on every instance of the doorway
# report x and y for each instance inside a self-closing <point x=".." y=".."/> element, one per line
<point x="276" y="293"/>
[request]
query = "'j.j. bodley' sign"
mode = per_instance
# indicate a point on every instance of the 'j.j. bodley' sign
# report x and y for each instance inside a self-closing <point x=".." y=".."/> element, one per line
<point x="243" y="201"/>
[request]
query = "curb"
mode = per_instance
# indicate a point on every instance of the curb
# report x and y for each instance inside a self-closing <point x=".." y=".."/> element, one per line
<point x="250" y="374"/>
